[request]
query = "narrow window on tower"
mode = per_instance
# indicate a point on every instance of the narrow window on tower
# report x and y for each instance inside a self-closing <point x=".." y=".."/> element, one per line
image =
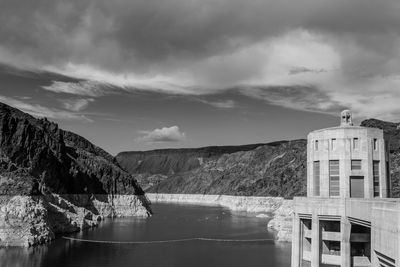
<point x="375" y="144"/>
<point x="316" y="145"/>
<point x="355" y="143"/>
<point x="334" y="181"/>
<point x="388" y="183"/>
<point x="316" y="178"/>
<point x="375" y="171"/>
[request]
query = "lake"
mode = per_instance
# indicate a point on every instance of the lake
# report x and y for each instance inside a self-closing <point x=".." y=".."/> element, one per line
<point x="169" y="222"/>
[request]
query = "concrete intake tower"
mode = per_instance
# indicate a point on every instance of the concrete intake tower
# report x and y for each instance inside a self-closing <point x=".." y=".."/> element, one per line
<point x="347" y="218"/>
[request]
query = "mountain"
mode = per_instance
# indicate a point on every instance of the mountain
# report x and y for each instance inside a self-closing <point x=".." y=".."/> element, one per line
<point x="170" y="161"/>
<point x="274" y="169"/>
<point x="42" y="158"/>
<point x="54" y="181"/>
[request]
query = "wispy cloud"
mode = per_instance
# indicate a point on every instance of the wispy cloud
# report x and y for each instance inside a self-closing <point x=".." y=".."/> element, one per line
<point x="304" y="98"/>
<point x="223" y="104"/>
<point x="76" y="104"/>
<point x="297" y="70"/>
<point x="42" y="111"/>
<point x="165" y="134"/>
<point x="83" y="88"/>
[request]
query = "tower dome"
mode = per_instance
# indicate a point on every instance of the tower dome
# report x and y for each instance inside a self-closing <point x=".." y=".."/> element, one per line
<point x="346" y="118"/>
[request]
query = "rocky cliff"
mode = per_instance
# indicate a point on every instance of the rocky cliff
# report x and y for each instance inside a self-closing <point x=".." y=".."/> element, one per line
<point x="39" y="161"/>
<point x="41" y="157"/>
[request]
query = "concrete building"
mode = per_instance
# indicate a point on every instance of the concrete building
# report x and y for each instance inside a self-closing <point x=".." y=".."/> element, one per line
<point x="347" y="218"/>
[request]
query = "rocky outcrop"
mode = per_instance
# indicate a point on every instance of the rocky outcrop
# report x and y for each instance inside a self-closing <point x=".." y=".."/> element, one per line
<point x="23" y="222"/>
<point x="54" y="181"/>
<point x="31" y="220"/>
<point x="282" y="221"/>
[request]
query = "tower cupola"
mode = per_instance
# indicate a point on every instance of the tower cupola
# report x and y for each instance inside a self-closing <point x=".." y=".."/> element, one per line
<point x="346" y="118"/>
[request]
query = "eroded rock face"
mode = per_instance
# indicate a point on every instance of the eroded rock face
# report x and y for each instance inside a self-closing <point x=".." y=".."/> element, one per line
<point x="31" y="220"/>
<point x="23" y="222"/>
<point x="282" y="221"/>
<point x="236" y="203"/>
<point x="54" y="181"/>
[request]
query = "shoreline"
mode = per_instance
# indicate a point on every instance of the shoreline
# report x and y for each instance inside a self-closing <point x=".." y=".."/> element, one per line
<point x="249" y="204"/>
<point x="277" y="208"/>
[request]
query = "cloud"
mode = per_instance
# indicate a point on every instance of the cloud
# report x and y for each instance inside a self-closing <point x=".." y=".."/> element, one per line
<point x="83" y="88"/>
<point x="165" y="134"/>
<point x="202" y="47"/>
<point x="76" y="104"/>
<point x="297" y="70"/>
<point x="224" y="104"/>
<point x="37" y="110"/>
<point x="304" y="98"/>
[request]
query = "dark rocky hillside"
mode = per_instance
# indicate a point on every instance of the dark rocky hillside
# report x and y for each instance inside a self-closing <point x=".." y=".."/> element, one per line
<point x="390" y="128"/>
<point x="393" y="130"/>
<point x="269" y="170"/>
<point x="170" y="161"/>
<point x="38" y="157"/>
<point x="274" y="169"/>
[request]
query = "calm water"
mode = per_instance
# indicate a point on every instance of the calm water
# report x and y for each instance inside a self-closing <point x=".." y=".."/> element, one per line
<point x="170" y="221"/>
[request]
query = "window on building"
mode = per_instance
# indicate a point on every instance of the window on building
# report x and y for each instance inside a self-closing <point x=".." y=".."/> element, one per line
<point x="375" y="172"/>
<point x="334" y="181"/>
<point x="333" y="143"/>
<point x="388" y="184"/>
<point x="316" y="145"/>
<point x="357" y="186"/>
<point x="375" y="141"/>
<point x="316" y="178"/>
<point x="355" y="164"/>
<point x="356" y="144"/>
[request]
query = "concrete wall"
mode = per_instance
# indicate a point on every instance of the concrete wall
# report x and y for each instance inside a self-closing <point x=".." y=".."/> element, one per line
<point x="382" y="216"/>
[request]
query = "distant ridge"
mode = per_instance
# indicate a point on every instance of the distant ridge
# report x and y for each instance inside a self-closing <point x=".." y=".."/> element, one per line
<point x="270" y="169"/>
<point x="174" y="160"/>
<point x="264" y="169"/>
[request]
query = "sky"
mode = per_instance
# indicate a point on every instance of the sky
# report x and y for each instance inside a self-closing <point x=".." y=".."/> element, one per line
<point x="147" y="74"/>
